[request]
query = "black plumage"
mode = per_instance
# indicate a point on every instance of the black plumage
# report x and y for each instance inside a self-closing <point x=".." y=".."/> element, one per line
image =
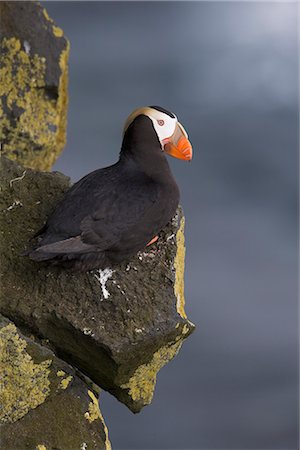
<point x="112" y="213"/>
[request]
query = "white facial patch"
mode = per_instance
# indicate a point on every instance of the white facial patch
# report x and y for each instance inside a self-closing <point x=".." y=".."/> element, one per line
<point x="164" y="125"/>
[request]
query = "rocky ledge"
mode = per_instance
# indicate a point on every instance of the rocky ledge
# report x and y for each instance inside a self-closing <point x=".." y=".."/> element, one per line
<point x="119" y="326"/>
<point x="113" y="328"/>
<point x="44" y="404"/>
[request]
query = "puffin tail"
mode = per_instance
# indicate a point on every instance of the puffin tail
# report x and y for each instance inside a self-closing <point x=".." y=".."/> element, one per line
<point x="69" y="253"/>
<point x="63" y="250"/>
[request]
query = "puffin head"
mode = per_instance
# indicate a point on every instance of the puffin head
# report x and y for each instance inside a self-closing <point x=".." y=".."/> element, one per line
<point x="170" y="133"/>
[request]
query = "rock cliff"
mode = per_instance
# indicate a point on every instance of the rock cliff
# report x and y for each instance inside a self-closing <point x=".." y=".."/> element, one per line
<point x="33" y="87"/>
<point x="64" y="334"/>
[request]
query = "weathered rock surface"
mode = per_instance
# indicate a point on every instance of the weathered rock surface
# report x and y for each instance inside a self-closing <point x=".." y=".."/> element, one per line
<point x="44" y="404"/>
<point x="118" y="327"/>
<point x="33" y="85"/>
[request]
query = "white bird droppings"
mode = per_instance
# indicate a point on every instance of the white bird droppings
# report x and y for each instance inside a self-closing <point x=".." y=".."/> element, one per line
<point x="27" y="47"/>
<point x="170" y="237"/>
<point x="102" y="276"/>
<point x="138" y="330"/>
<point x="15" y="203"/>
<point x="88" y="332"/>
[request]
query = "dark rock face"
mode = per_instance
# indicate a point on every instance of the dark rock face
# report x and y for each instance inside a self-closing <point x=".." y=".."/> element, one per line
<point x="44" y="404"/>
<point x="119" y="326"/>
<point x="33" y="90"/>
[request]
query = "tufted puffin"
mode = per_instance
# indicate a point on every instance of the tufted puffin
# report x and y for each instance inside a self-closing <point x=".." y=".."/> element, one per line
<point x="112" y="213"/>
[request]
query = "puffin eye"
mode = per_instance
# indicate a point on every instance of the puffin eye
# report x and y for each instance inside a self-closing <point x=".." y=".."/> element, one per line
<point x="161" y="122"/>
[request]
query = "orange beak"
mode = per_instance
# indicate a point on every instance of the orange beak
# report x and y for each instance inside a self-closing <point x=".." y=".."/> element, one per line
<point x="178" y="144"/>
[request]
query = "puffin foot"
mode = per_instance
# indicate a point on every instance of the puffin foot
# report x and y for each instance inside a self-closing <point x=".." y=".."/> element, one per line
<point x="152" y="241"/>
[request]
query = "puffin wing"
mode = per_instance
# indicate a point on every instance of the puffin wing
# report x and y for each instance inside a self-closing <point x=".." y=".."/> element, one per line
<point x="124" y="208"/>
<point x="93" y="215"/>
<point x="82" y="199"/>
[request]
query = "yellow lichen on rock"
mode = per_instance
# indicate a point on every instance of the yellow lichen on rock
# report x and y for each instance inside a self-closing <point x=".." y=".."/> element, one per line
<point x="65" y="382"/>
<point x="179" y="270"/>
<point x="94" y="413"/>
<point x="14" y="83"/>
<point x="41" y="447"/>
<point x="58" y="32"/>
<point x="29" y="118"/>
<point x="24" y="385"/>
<point x="46" y="15"/>
<point x="141" y="385"/>
<point x="62" y="101"/>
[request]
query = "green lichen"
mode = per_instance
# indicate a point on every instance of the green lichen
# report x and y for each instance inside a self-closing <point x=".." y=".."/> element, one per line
<point x="37" y="135"/>
<point x="24" y="385"/>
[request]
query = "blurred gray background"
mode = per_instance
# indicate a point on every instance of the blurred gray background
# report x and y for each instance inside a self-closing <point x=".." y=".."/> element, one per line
<point x="229" y="72"/>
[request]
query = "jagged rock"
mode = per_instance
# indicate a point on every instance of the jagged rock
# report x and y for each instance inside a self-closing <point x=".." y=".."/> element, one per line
<point x="119" y="326"/>
<point x="33" y="87"/>
<point x="44" y="404"/>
